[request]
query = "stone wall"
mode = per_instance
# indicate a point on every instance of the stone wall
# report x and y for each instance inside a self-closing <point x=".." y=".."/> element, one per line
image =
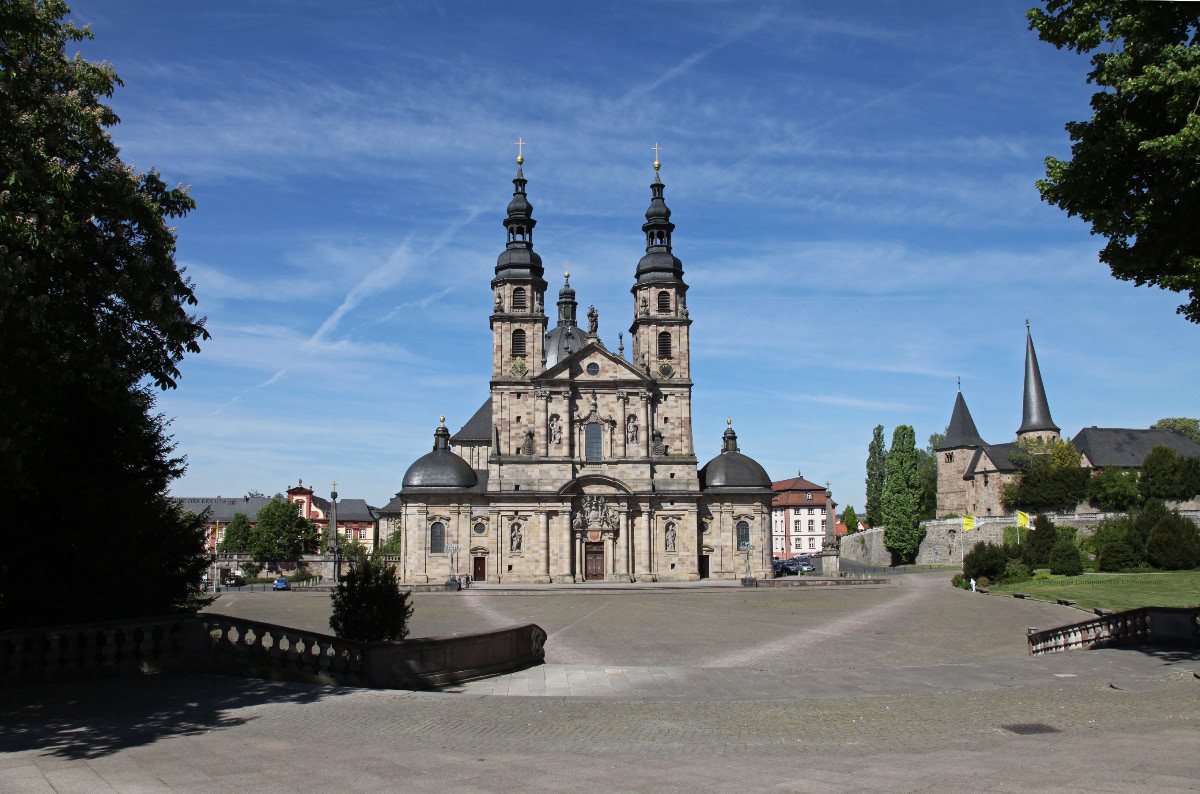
<point x="866" y="547"/>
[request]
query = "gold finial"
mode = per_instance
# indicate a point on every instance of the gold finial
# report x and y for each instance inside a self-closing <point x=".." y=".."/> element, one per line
<point x="335" y="485"/>
<point x="566" y="268"/>
<point x="729" y="421"/>
<point x="443" y="420"/>
<point x="520" y="159"/>
<point x="656" y="149"/>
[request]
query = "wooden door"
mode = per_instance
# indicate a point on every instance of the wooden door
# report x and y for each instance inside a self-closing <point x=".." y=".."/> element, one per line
<point x="479" y="569"/>
<point x="593" y="568"/>
<point x="703" y="566"/>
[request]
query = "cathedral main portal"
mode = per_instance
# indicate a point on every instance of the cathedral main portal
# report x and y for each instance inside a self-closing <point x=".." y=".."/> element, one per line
<point x="593" y="555"/>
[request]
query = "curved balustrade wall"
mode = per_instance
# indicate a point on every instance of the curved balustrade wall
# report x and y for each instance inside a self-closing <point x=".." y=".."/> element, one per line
<point x="233" y="646"/>
<point x="1176" y="626"/>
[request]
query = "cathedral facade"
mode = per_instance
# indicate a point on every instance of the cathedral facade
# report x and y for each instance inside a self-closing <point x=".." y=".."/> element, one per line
<point x="580" y="465"/>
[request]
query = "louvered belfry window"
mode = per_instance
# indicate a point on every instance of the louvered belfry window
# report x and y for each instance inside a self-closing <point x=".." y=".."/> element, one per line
<point x="664" y="345"/>
<point x="664" y="302"/>
<point x="518" y="301"/>
<point x="518" y="343"/>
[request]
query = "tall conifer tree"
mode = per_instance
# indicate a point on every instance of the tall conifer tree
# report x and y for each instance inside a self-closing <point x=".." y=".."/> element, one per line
<point x="876" y="474"/>
<point x="902" y="492"/>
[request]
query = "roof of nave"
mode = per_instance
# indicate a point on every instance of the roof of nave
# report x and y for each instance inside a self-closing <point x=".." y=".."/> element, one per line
<point x="478" y="428"/>
<point x="999" y="454"/>
<point x="223" y="510"/>
<point x="1128" y="447"/>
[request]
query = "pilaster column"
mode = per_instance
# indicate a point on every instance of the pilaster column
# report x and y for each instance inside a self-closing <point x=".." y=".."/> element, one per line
<point x="568" y="425"/>
<point x="542" y="418"/>
<point x="642" y="543"/>
<point x="544" y="529"/>
<point x="622" y="565"/>
<point x="421" y="551"/>
<point x="610" y="558"/>
<point x="623" y="404"/>
<point x="577" y="547"/>
<point x="647" y="427"/>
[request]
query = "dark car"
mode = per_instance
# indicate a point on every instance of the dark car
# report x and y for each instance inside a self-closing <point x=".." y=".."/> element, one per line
<point x="785" y="568"/>
<point x="232" y="580"/>
<point x="281" y="583"/>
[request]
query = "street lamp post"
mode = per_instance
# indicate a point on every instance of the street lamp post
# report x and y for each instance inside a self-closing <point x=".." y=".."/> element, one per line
<point x="747" y="547"/>
<point x="332" y="546"/>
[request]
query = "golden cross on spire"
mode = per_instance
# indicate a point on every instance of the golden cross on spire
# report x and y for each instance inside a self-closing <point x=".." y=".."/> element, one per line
<point x="656" y="149"/>
<point x="566" y="268"/>
<point x="520" y="143"/>
<point x="335" y="485"/>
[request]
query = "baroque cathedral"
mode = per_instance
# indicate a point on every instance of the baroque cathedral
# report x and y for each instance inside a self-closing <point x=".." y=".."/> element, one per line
<point x="580" y="465"/>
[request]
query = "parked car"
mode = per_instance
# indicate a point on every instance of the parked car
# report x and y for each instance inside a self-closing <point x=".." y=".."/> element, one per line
<point x="232" y="580"/>
<point x="785" y="567"/>
<point x="806" y="567"/>
<point x="281" y="583"/>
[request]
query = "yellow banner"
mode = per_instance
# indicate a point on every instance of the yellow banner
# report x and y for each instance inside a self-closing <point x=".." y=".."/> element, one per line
<point x="1022" y="519"/>
<point x="968" y="524"/>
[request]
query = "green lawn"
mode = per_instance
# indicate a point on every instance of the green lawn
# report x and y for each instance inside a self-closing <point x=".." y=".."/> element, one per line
<point x="1179" y="589"/>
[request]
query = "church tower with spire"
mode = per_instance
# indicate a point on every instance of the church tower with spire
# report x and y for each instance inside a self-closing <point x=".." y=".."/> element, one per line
<point x="660" y="331"/>
<point x="954" y="455"/>
<point x="1035" y="410"/>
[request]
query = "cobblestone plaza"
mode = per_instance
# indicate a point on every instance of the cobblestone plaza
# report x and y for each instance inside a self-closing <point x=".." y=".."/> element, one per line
<point x="901" y="687"/>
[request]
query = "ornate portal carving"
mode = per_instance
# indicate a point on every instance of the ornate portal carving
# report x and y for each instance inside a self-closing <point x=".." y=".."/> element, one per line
<point x="594" y="513"/>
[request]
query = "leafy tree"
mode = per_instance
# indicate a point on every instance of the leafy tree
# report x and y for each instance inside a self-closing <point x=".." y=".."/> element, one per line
<point x="1174" y="543"/>
<point x="393" y="545"/>
<point x="1116" y="556"/>
<point x="1050" y="475"/>
<point x="92" y="316"/>
<point x="1110" y="530"/>
<point x="876" y="475"/>
<point x="368" y="604"/>
<point x="850" y="519"/>
<point x="281" y="534"/>
<point x="1065" y="558"/>
<point x="927" y="465"/>
<point x="985" y="559"/>
<point x="1134" y="172"/>
<point x="1142" y="523"/>
<point x="1189" y="427"/>
<point x="1040" y="541"/>
<point x="1115" y="488"/>
<point x="1168" y="475"/>
<point x="237" y="534"/>
<point x="903" y="533"/>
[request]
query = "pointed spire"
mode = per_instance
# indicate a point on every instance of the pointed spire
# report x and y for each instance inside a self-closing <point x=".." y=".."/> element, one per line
<point x="659" y="264"/>
<point x="961" y="432"/>
<point x="1035" y="412"/>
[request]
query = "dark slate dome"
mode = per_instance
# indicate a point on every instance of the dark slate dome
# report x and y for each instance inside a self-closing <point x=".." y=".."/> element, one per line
<point x="440" y="468"/>
<point x="659" y="264"/>
<point x="732" y="469"/>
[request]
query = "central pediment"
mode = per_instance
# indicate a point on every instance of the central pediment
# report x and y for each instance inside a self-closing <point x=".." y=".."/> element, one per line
<point x="592" y="362"/>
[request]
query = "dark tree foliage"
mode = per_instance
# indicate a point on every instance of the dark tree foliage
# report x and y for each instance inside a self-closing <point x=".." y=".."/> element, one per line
<point x="1134" y="172"/>
<point x="850" y="519"/>
<point x="1141" y="523"/>
<point x="1182" y="424"/>
<point x="903" y="533"/>
<point x="1065" y="558"/>
<point x="280" y="533"/>
<point x="368" y="605"/>
<point x="1116" y="556"/>
<point x="1045" y="486"/>
<point x="1039" y="542"/>
<point x="1166" y="474"/>
<point x="237" y="535"/>
<point x="986" y="559"/>
<point x="927" y="466"/>
<point x="92" y="306"/>
<point x="1173" y="544"/>
<point x="876" y="474"/>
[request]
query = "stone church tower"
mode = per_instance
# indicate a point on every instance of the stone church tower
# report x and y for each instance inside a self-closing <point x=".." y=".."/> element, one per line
<point x="580" y="465"/>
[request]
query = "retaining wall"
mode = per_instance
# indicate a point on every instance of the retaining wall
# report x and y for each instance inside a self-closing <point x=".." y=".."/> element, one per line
<point x="866" y="547"/>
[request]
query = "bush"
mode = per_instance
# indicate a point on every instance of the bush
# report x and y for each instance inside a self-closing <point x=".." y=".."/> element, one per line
<point x="960" y="581"/>
<point x="1065" y="559"/>
<point x="983" y="581"/>
<point x="1110" y="530"/>
<point x="1041" y="540"/>
<point x="1114" y="488"/>
<point x="1141" y="523"/>
<point x="985" y="560"/>
<point x="1015" y="571"/>
<point x="368" y="604"/>
<point x="1116" y="556"/>
<point x="1174" y="544"/>
<point x="1016" y="537"/>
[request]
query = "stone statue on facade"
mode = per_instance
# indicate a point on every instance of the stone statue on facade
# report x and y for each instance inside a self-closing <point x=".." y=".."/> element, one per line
<point x="593" y="319"/>
<point x="631" y="429"/>
<point x="594" y="513"/>
<point x="499" y="301"/>
<point x="514" y="538"/>
<point x="670" y="537"/>
<point x="555" y="430"/>
<point x="644" y="309"/>
<point x="537" y="302"/>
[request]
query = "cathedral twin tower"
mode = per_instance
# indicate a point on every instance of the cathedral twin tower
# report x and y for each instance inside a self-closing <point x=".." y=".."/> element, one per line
<point x="580" y="465"/>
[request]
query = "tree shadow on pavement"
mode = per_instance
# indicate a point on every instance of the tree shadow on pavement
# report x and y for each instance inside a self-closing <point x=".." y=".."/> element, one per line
<point x="1167" y="654"/>
<point x="92" y="719"/>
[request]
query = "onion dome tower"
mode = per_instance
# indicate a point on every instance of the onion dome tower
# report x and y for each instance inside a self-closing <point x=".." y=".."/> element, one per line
<point x="1035" y="410"/>
<point x="518" y="320"/>
<point x="440" y="469"/>
<point x="660" y="329"/>
<point x="565" y="338"/>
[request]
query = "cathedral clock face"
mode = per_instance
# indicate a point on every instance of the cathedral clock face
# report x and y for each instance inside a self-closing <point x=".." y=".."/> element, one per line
<point x="666" y="370"/>
<point x="518" y="369"/>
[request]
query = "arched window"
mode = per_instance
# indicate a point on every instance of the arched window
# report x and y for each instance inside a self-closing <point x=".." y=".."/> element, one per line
<point x="518" y="343"/>
<point x="664" y="302"/>
<point x="518" y="301"/>
<point x="664" y="345"/>
<point x="591" y="445"/>
<point x="743" y="534"/>
<point x="437" y="538"/>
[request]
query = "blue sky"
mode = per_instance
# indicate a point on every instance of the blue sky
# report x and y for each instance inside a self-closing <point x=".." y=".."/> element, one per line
<point x="852" y="184"/>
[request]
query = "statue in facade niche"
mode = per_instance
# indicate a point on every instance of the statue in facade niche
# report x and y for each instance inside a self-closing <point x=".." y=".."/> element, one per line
<point x="514" y="538"/>
<point x="537" y="302"/>
<point x="670" y="537"/>
<point x="644" y="311"/>
<point x="555" y="430"/>
<point x="593" y="319"/>
<point x="499" y="301"/>
<point x="631" y="429"/>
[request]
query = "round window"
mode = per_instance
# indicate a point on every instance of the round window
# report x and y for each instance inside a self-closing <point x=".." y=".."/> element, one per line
<point x="593" y="368"/>
<point x="480" y="529"/>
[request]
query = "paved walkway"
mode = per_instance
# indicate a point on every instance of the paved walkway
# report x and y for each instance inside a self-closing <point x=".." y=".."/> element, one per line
<point x="929" y="719"/>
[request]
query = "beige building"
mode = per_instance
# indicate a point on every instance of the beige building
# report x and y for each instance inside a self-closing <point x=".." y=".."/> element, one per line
<point x="580" y="464"/>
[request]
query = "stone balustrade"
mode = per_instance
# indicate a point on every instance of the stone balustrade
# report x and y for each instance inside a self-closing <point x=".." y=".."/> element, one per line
<point x="1178" y="626"/>
<point x="219" y="644"/>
